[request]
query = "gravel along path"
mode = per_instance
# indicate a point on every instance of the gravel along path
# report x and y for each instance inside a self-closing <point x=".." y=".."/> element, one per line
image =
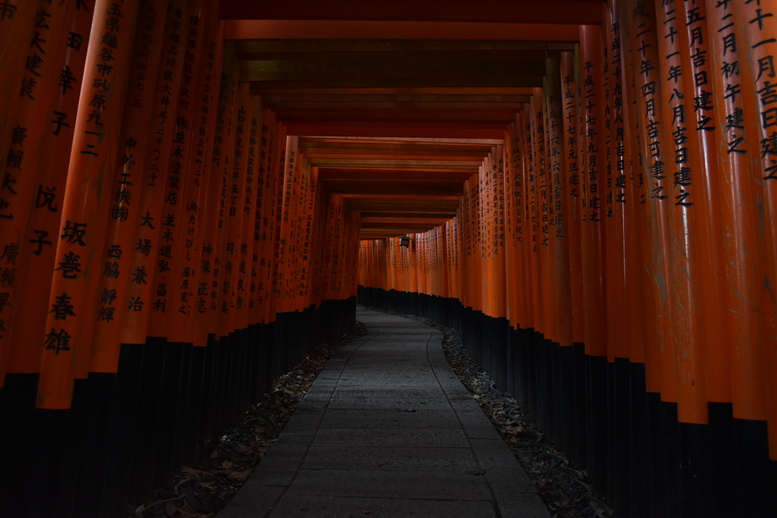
<point x="204" y="488"/>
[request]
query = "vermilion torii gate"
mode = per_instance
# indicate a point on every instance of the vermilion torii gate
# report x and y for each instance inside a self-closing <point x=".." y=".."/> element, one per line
<point x="194" y="192"/>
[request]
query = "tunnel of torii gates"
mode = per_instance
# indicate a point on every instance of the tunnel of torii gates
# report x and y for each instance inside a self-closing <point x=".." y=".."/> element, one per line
<point x="194" y="193"/>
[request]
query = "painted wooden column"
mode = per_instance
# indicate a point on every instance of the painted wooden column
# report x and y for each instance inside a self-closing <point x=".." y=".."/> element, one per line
<point x="149" y="250"/>
<point x="756" y="37"/>
<point x="126" y="192"/>
<point x="45" y="174"/>
<point x="67" y="341"/>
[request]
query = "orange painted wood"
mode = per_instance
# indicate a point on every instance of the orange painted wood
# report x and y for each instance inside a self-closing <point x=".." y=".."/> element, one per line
<point x="704" y="151"/>
<point x="680" y="161"/>
<point x="574" y="208"/>
<point x="252" y="207"/>
<point x="339" y="29"/>
<point x="150" y="253"/>
<point x="640" y="185"/>
<point x="67" y="342"/>
<point x="234" y="286"/>
<point x="558" y="205"/>
<point x="738" y="188"/>
<point x="634" y="193"/>
<point x="204" y="312"/>
<point x="529" y="246"/>
<point x="226" y="124"/>
<point x="703" y="132"/>
<point x="617" y="258"/>
<point x="275" y="220"/>
<point x="163" y="285"/>
<point x="640" y="33"/>
<point x="272" y="146"/>
<point x="125" y="191"/>
<point x="510" y="185"/>
<point x="39" y="185"/>
<point x="188" y="212"/>
<point x="499" y="233"/>
<point x="550" y="325"/>
<point x="564" y="11"/>
<point x="592" y="154"/>
<point x="17" y="23"/>
<point x="757" y="39"/>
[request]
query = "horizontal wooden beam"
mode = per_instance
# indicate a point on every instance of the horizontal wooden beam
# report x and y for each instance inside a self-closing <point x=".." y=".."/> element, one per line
<point x="419" y="71"/>
<point x="402" y="187"/>
<point x="353" y="103"/>
<point x="396" y="207"/>
<point x="434" y="216"/>
<point x="336" y="30"/>
<point x="398" y="140"/>
<point x="395" y="161"/>
<point x="394" y="49"/>
<point x="380" y="116"/>
<point x="476" y="131"/>
<point x="379" y="146"/>
<point x="383" y="163"/>
<point x="367" y="233"/>
<point x="395" y="153"/>
<point x="396" y="174"/>
<point x="383" y="234"/>
<point x="396" y="92"/>
<point x="523" y="11"/>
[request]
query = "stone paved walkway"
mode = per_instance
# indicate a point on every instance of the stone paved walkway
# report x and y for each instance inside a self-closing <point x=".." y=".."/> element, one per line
<point x="387" y="430"/>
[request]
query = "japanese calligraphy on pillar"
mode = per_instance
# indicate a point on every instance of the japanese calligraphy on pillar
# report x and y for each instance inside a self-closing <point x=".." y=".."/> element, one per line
<point x="205" y="121"/>
<point x="730" y="70"/>
<point x="148" y="251"/>
<point x="590" y="120"/>
<point x="499" y="201"/>
<point x="647" y="56"/>
<point x="16" y="25"/>
<point x="608" y="84"/>
<point x="509" y="184"/>
<point x="33" y="171"/>
<point x="125" y="193"/>
<point x="756" y="22"/>
<point x="674" y="94"/>
<point x="307" y="238"/>
<point x="555" y="126"/>
<point x="571" y="129"/>
<point x="617" y="162"/>
<point x="542" y="174"/>
<point x="223" y="245"/>
<point x="70" y="321"/>
<point x="530" y="175"/>
<point x="209" y="276"/>
<point x="183" y="274"/>
<point x="179" y="205"/>
<point x="261" y="236"/>
<point x="484" y="210"/>
<point x="246" y="262"/>
<point x="759" y="40"/>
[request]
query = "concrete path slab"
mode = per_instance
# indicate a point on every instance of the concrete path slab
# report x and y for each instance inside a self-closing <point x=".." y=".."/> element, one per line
<point x="387" y="430"/>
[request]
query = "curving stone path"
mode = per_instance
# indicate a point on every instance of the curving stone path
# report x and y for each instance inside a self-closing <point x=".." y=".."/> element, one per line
<point x="387" y="430"/>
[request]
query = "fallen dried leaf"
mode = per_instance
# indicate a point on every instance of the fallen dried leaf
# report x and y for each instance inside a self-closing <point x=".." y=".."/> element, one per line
<point x="187" y="470"/>
<point x="240" y="475"/>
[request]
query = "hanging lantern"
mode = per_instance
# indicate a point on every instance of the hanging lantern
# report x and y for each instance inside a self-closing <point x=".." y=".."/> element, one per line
<point x="404" y="241"/>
